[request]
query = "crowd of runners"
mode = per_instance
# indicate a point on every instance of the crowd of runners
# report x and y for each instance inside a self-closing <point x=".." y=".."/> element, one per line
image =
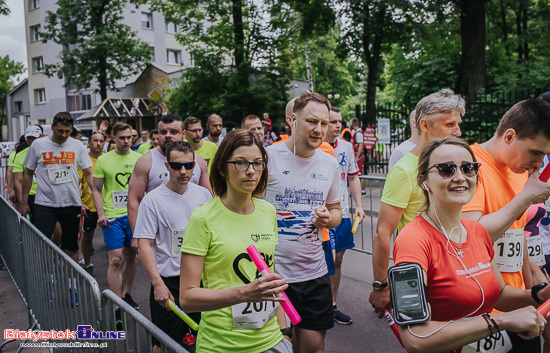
<point x="473" y="218"/>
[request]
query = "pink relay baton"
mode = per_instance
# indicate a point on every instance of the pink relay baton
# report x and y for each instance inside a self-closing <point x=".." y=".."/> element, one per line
<point x="393" y="326"/>
<point x="264" y="270"/>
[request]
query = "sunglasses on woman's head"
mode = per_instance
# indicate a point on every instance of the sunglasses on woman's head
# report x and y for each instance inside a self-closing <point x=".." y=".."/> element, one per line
<point x="177" y="165"/>
<point x="448" y="170"/>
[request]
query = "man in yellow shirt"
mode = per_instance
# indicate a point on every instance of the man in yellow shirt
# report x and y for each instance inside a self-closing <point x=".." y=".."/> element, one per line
<point x="193" y="135"/>
<point x="95" y="146"/>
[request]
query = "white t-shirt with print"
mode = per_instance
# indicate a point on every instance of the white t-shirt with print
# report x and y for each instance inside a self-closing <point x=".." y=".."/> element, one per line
<point x="345" y="156"/>
<point x="297" y="187"/>
<point x="56" y="169"/>
<point x="163" y="215"/>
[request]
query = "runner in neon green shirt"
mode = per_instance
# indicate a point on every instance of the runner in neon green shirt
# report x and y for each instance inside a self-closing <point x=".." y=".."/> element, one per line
<point x="110" y="192"/>
<point x="240" y="310"/>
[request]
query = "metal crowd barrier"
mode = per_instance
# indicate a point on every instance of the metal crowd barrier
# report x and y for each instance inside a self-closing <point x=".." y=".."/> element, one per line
<point x="373" y="185"/>
<point x="60" y="295"/>
<point x="135" y="325"/>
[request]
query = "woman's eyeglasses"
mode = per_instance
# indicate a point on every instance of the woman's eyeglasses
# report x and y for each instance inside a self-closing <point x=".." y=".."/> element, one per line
<point x="178" y="166"/>
<point x="448" y="170"/>
<point x="242" y="165"/>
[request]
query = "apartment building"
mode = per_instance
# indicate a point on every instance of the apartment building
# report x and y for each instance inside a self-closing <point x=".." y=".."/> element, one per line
<point x="37" y="99"/>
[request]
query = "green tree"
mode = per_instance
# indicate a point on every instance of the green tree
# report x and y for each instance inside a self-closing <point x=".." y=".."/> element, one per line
<point x="9" y="70"/>
<point x="239" y="53"/>
<point x="96" y="45"/>
<point x="4" y="9"/>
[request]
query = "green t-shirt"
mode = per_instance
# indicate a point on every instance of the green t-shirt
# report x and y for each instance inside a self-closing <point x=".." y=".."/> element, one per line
<point x="402" y="190"/>
<point x="207" y="152"/>
<point x="143" y="148"/>
<point x="222" y="236"/>
<point x="115" y="170"/>
<point x="11" y="158"/>
<point x="19" y="167"/>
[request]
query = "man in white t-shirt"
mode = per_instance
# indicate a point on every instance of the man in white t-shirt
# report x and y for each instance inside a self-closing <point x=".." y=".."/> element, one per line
<point x="56" y="159"/>
<point x="342" y="235"/>
<point x="162" y="219"/>
<point x="214" y="124"/>
<point x="406" y="145"/>
<point x="304" y="186"/>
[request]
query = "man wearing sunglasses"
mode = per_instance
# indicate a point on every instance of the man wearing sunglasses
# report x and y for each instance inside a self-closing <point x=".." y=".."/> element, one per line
<point x="56" y="159"/>
<point x="110" y="193"/>
<point x="162" y="219"/>
<point x="505" y="191"/>
<point x="437" y="115"/>
<point x="150" y="170"/>
<point x="193" y="135"/>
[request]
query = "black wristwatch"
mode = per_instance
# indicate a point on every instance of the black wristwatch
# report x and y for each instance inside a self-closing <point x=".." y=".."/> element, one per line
<point x="287" y="331"/>
<point x="535" y="291"/>
<point x="377" y="285"/>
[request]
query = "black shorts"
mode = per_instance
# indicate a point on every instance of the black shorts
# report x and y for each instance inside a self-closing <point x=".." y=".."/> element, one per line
<point x="45" y="217"/>
<point x="166" y="320"/>
<point x="313" y="301"/>
<point x="522" y="346"/>
<point x="90" y="223"/>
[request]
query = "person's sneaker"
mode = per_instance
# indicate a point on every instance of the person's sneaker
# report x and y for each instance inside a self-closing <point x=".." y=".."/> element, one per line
<point x="341" y="318"/>
<point x="90" y="269"/>
<point x="188" y="342"/>
<point x="128" y="299"/>
<point x="118" y="319"/>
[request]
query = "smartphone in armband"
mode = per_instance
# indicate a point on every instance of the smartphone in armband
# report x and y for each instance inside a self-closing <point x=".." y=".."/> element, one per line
<point x="408" y="294"/>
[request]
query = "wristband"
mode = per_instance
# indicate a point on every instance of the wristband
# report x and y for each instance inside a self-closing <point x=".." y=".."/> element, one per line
<point x="536" y="289"/>
<point x="498" y="335"/>
<point x="489" y="326"/>
<point x="287" y="331"/>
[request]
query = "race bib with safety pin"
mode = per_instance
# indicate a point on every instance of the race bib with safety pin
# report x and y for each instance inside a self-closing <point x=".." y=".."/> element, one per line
<point x="120" y="198"/>
<point x="509" y="251"/>
<point x="59" y="174"/>
<point x="177" y="238"/>
<point x="490" y="345"/>
<point x="253" y="315"/>
<point x="534" y="247"/>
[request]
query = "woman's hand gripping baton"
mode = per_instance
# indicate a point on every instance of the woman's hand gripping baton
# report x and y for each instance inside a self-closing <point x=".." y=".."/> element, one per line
<point x="264" y="270"/>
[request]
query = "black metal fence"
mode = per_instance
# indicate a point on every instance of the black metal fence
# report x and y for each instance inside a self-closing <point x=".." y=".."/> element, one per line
<point x="483" y="113"/>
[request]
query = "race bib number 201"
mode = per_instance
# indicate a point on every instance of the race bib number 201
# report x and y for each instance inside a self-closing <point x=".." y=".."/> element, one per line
<point x="253" y="315"/>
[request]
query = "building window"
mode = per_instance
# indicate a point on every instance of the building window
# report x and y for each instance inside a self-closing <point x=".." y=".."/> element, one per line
<point x="35" y="35"/>
<point x="37" y="64"/>
<point x="18" y="106"/>
<point x="80" y="102"/>
<point x="173" y="57"/>
<point x="34" y="4"/>
<point x="171" y="27"/>
<point x="146" y="20"/>
<point x="39" y="96"/>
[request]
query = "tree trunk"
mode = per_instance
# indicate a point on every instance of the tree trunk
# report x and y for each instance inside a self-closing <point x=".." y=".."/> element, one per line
<point x="372" y="48"/>
<point x="472" y="71"/>
<point x="238" y="33"/>
<point x="504" y="27"/>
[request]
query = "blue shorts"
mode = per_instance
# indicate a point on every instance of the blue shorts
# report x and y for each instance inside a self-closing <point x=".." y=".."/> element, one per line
<point x="118" y="234"/>
<point x="328" y="247"/>
<point x="343" y="236"/>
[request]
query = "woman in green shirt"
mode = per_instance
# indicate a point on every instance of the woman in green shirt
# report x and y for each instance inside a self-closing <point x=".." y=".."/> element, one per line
<point x="240" y="310"/>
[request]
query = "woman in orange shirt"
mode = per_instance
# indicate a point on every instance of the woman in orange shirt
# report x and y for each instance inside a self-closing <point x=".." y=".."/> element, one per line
<point x="456" y="255"/>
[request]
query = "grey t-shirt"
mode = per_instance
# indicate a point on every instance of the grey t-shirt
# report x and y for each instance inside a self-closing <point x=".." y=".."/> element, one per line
<point x="56" y="170"/>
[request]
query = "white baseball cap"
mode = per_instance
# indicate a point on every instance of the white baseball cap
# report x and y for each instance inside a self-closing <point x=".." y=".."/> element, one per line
<point x="33" y="131"/>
